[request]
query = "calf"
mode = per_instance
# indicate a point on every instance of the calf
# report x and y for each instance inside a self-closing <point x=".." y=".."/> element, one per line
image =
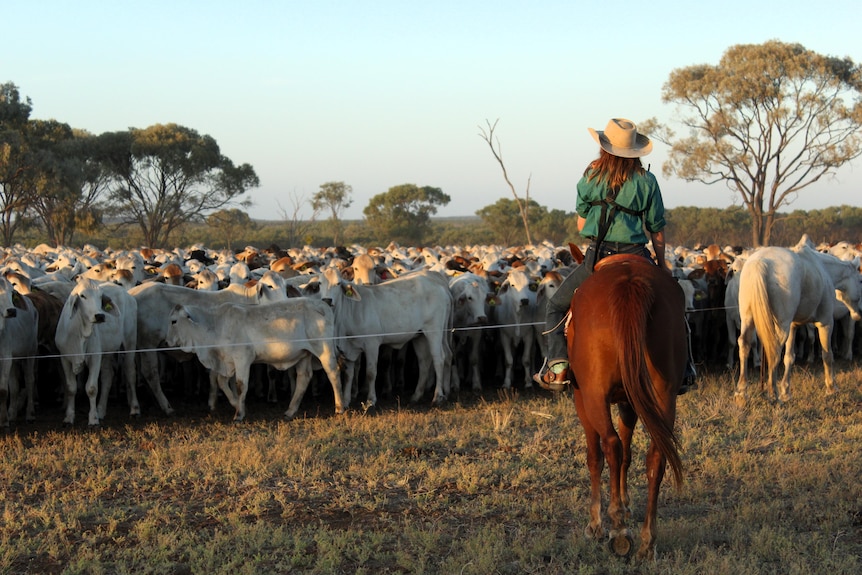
<point x="516" y="312"/>
<point x="547" y="288"/>
<point x="470" y="294"/>
<point x="155" y="302"/>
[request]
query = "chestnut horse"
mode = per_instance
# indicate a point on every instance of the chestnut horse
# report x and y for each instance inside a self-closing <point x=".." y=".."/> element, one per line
<point x="627" y="346"/>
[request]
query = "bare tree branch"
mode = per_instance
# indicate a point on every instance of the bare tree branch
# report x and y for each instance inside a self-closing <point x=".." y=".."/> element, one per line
<point x="487" y="134"/>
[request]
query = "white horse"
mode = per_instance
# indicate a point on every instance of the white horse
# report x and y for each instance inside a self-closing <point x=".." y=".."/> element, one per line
<point x="781" y="289"/>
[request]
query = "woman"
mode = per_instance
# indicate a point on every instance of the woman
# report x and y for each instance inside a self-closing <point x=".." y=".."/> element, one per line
<point x="619" y="202"/>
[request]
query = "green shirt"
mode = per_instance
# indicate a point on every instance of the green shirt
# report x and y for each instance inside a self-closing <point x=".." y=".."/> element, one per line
<point x="640" y="193"/>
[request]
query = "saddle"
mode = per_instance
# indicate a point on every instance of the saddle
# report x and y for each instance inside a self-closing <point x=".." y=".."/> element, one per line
<point x="619" y="259"/>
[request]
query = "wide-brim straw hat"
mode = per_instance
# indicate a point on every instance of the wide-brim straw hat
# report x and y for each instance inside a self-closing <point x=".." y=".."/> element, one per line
<point x="621" y="138"/>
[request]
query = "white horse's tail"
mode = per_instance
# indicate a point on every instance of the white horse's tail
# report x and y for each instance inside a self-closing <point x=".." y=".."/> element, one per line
<point x="770" y="331"/>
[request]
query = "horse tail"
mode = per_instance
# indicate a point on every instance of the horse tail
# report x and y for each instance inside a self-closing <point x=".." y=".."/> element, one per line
<point x="630" y="314"/>
<point x="754" y="295"/>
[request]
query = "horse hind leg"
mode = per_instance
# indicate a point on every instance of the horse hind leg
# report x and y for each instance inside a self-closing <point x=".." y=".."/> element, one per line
<point x="627" y="421"/>
<point x="781" y="389"/>
<point x="745" y="341"/>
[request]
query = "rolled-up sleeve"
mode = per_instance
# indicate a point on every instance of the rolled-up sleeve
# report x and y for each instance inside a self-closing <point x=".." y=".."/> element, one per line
<point x="583" y="203"/>
<point x="654" y="215"/>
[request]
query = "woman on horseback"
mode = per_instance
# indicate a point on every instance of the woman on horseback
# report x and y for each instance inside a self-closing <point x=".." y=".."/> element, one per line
<point x="618" y="204"/>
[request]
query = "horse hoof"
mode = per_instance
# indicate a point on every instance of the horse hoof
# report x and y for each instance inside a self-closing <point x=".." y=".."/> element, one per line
<point x="594" y="533"/>
<point x="621" y="544"/>
<point x="646" y="554"/>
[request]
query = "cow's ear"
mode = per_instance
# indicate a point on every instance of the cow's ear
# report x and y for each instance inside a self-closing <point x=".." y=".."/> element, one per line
<point x="182" y="310"/>
<point x="108" y="305"/>
<point x="292" y="291"/>
<point x="350" y="292"/>
<point x="18" y="300"/>
<point x="74" y="301"/>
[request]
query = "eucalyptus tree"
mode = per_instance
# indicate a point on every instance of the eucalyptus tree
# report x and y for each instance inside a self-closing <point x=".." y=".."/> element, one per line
<point x="231" y="223"/>
<point x="68" y="181"/>
<point x="334" y="196"/>
<point x="505" y="219"/>
<point x="768" y="121"/>
<point x="169" y="175"/>
<point x="403" y="214"/>
<point x="16" y="160"/>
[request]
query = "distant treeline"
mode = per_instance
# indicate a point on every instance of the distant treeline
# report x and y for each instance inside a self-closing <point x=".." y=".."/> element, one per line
<point x="687" y="226"/>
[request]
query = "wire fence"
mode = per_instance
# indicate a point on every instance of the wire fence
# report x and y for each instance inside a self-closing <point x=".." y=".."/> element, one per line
<point x="271" y="341"/>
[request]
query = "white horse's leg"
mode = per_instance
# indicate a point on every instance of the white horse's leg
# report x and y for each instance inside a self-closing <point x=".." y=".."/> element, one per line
<point x="781" y="390"/>
<point x="825" y="333"/>
<point x="745" y="341"/>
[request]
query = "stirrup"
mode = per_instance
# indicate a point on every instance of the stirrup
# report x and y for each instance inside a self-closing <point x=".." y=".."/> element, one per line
<point x="552" y="376"/>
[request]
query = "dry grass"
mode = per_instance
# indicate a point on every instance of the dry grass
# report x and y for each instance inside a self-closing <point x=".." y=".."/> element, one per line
<point x="494" y="485"/>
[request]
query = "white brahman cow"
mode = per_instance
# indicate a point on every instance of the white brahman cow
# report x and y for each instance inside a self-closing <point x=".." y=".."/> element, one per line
<point x="416" y="306"/>
<point x="547" y="288"/>
<point x="155" y="302"/>
<point x="18" y="349"/>
<point x="229" y="338"/>
<point x="98" y="320"/>
<point x="516" y="312"/>
<point x="470" y="296"/>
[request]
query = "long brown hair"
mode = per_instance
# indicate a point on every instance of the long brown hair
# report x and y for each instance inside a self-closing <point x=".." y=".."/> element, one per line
<point x="614" y="170"/>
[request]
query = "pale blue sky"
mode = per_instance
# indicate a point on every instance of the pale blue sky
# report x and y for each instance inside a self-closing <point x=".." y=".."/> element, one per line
<point x="382" y="93"/>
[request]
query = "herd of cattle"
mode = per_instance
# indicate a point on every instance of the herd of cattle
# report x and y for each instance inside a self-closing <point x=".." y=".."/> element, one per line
<point x="197" y="321"/>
